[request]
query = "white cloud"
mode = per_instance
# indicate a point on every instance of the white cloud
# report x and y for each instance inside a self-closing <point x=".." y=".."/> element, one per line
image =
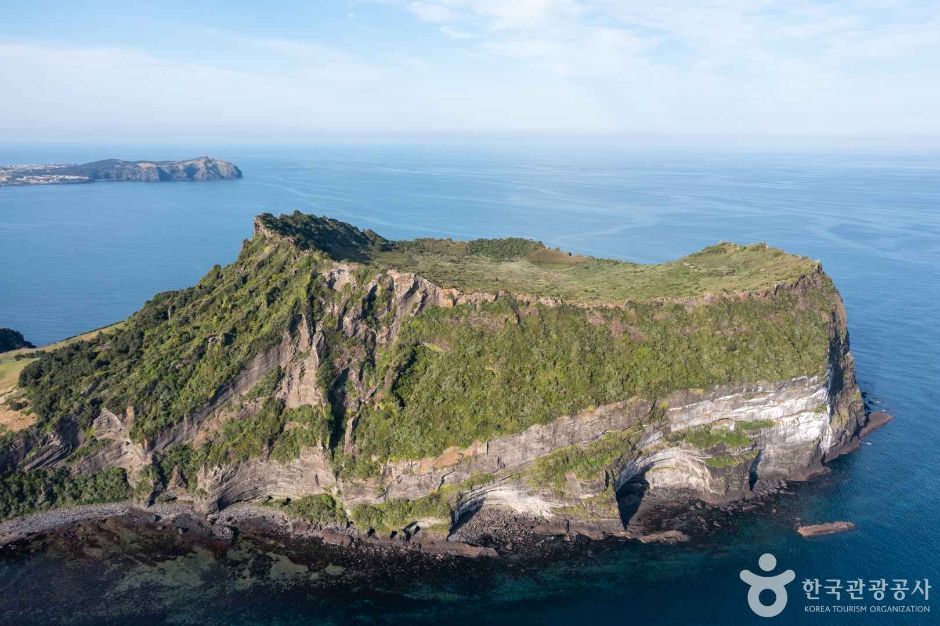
<point x="725" y="65"/>
<point x="496" y="14"/>
<point x="604" y="66"/>
<point x="714" y="33"/>
<point x="453" y="33"/>
<point x="430" y="12"/>
<point x="83" y="92"/>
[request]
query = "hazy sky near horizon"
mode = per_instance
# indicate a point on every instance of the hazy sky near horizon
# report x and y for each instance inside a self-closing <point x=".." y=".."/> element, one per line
<point x="132" y="70"/>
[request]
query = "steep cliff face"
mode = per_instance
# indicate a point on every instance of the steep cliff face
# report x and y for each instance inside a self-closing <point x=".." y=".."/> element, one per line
<point x="322" y="364"/>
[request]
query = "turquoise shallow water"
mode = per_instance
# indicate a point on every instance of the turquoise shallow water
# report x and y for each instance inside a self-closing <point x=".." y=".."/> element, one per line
<point x="78" y="257"/>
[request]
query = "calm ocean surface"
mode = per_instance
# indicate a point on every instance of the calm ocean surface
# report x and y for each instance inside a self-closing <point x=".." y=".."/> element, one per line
<point x="73" y="258"/>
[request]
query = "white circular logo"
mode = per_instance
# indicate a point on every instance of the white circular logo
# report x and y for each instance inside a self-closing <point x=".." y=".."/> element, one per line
<point x="777" y="584"/>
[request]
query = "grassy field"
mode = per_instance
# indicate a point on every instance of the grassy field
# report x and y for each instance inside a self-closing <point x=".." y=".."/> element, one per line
<point x="545" y="272"/>
<point x="10" y="372"/>
<point x="528" y="267"/>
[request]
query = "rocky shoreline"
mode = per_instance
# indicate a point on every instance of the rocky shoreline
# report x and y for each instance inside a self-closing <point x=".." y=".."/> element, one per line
<point x="488" y="532"/>
<point x="492" y="532"/>
<point x="223" y="526"/>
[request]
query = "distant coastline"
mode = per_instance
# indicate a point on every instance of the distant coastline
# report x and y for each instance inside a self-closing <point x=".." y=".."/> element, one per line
<point x="199" y="169"/>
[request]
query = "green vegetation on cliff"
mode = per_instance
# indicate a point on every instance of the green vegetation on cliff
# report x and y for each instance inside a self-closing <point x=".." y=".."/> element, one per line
<point x="476" y="371"/>
<point x="706" y="438"/>
<point x="320" y="509"/>
<point x="180" y="457"/>
<point x="272" y="430"/>
<point x="586" y="462"/>
<point x="38" y="490"/>
<point x="275" y="429"/>
<point x="395" y="514"/>
<point x="182" y="349"/>
<point x="722" y="461"/>
<point x="448" y="376"/>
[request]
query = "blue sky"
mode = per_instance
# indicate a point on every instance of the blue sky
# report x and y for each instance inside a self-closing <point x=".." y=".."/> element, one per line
<point x="127" y="71"/>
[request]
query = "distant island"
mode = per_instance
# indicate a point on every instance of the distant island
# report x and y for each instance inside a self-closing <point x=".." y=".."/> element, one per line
<point x="198" y="169"/>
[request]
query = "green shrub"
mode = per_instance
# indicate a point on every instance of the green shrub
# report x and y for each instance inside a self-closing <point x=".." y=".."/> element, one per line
<point x="477" y="480"/>
<point x="266" y="386"/>
<point x="304" y="426"/>
<point x="181" y="456"/>
<point x="37" y="490"/>
<point x="706" y="437"/>
<point x="245" y="438"/>
<point x="725" y="460"/>
<point x="396" y="514"/>
<point x="320" y="509"/>
<point x="585" y="461"/>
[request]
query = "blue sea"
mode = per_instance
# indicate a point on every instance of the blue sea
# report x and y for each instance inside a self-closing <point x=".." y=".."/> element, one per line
<point x="73" y="258"/>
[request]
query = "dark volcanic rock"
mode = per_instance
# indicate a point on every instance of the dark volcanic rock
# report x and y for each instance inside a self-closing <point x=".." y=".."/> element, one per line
<point x="12" y="340"/>
<point x="876" y="420"/>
